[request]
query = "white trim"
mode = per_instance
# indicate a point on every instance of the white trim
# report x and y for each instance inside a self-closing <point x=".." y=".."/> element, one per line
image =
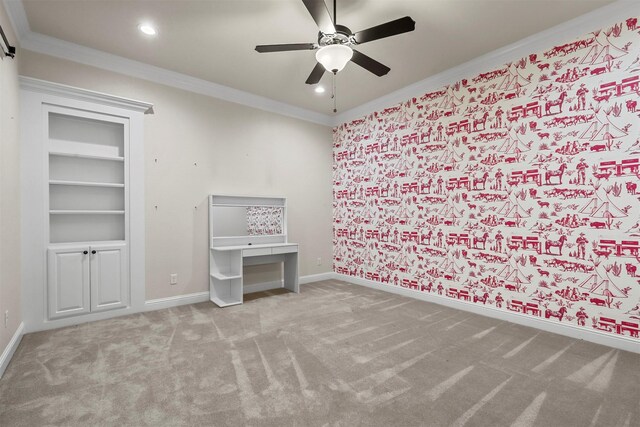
<point x="135" y="165"/>
<point x="17" y="17"/>
<point x="58" y="48"/>
<point x="11" y="348"/>
<point x="61" y="49"/>
<point x="568" y="30"/>
<point x="57" y="89"/>
<point x="76" y="320"/>
<point x="151" y="305"/>
<point x="160" y="303"/>
<point x="303" y="280"/>
<point x="73" y="52"/>
<point x="614" y="341"/>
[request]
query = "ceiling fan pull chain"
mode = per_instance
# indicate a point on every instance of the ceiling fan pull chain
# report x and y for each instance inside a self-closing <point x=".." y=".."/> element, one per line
<point x="333" y="94"/>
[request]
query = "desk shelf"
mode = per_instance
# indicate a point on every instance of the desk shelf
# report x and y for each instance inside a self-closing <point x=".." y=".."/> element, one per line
<point x="223" y="276"/>
<point x="225" y="283"/>
<point x="224" y="302"/>
<point x="225" y="292"/>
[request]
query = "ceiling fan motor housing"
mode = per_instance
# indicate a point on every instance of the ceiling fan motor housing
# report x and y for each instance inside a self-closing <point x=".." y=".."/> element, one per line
<point x="343" y="35"/>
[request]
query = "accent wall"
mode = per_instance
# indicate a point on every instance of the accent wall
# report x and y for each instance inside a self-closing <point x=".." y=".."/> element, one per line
<point x="516" y="189"/>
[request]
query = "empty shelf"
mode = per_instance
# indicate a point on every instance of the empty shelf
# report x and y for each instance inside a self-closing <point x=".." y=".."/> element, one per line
<point x="84" y="212"/>
<point x="225" y="276"/>
<point x="85" y="183"/>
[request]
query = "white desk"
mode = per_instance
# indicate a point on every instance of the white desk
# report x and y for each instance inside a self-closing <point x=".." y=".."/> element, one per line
<point x="226" y="284"/>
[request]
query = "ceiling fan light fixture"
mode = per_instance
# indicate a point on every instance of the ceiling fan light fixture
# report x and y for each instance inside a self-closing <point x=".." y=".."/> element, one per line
<point x="334" y="57"/>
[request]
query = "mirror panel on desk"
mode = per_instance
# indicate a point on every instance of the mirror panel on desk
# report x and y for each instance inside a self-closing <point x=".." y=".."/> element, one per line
<point x="237" y="221"/>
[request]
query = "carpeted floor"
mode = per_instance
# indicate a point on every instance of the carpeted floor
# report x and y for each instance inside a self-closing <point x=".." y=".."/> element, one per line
<point x="336" y="354"/>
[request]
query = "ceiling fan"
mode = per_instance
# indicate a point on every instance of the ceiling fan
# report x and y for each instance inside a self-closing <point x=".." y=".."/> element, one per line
<point x="335" y="42"/>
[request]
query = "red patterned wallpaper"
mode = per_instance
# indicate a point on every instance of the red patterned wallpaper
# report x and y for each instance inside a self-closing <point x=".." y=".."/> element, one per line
<point x="516" y="188"/>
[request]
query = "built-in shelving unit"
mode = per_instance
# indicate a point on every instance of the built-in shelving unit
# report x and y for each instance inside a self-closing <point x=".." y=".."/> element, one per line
<point x="87" y="179"/>
<point x="88" y="203"/>
<point x="82" y="163"/>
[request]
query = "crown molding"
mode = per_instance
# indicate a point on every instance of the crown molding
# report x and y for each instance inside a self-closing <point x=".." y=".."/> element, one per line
<point x="17" y="17"/>
<point x="568" y="30"/>
<point x="73" y="52"/>
<point x="52" y="46"/>
<point x="70" y="51"/>
<point x="50" y="88"/>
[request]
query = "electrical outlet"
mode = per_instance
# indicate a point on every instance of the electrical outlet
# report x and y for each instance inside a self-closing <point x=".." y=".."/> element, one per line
<point x="6" y="318"/>
<point x="173" y="280"/>
<point x="319" y="261"/>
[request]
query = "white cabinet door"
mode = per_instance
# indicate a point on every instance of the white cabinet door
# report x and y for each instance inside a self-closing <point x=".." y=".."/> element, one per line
<point x="109" y="277"/>
<point x="68" y="281"/>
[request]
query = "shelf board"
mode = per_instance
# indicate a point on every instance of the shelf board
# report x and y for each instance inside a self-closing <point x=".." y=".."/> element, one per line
<point x="85" y="183"/>
<point x="245" y="205"/>
<point x="247" y="236"/>
<point x="225" y="276"/>
<point x="84" y="212"/>
<point x="87" y="156"/>
<point x="62" y="245"/>
<point x="224" y="302"/>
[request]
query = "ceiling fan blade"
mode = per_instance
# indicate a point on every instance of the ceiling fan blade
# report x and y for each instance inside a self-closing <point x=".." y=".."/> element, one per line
<point x="391" y="28"/>
<point x="320" y="14"/>
<point x="265" y="48"/>
<point x="316" y="74"/>
<point x="369" y="64"/>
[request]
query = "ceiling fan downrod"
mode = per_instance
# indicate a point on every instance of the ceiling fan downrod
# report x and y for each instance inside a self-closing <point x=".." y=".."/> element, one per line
<point x="335" y="12"/>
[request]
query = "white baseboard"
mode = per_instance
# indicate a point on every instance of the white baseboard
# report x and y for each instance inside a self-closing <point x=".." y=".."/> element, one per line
<point x="11" y="348"/>
<point x="160" y="303"/>
<point x="303" y="280"/>
<point x="150" y="305"/>
<point x="615" y="341"/>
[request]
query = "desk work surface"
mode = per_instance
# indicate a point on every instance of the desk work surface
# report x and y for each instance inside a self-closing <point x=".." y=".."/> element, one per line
<point x="258" y="246"/>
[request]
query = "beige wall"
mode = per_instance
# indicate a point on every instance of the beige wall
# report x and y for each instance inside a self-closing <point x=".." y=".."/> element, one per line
<point x="9" y="191"/>
<point x="196" y="145"/>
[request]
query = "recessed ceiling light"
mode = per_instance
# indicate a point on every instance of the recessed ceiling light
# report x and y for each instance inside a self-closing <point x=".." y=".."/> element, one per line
<point x="147" y="29"/>
<point x="319" y="89"/>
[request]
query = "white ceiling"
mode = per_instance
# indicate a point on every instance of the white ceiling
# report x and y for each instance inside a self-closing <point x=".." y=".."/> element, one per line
<point x="214" y="40"/>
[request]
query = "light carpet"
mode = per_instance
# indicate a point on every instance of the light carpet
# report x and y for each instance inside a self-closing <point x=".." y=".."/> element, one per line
<point x="336" y="354"/>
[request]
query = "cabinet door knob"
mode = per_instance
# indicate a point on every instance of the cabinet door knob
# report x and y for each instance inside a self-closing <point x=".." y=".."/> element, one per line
<point x="93" y="252"/>
<point x="85" y="252"/>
